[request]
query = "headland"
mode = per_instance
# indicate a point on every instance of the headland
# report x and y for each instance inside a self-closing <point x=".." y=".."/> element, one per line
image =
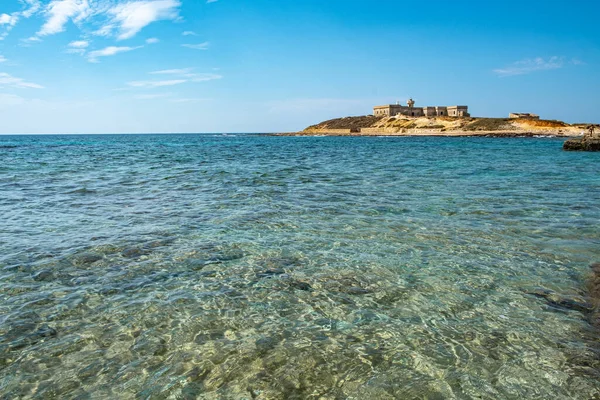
<point x="399" y="120"/>
<point x="441" y="126"/>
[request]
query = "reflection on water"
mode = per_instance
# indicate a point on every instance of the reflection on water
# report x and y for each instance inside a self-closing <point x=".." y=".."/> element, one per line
<point x="182" y="267"/>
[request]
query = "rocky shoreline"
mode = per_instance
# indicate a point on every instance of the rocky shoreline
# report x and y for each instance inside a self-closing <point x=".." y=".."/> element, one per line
<point x="498" y="134"/>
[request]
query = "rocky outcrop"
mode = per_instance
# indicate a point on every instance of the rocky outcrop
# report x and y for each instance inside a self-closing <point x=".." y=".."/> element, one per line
<point x="583" y="144"/>
<point x="441" y="126"/>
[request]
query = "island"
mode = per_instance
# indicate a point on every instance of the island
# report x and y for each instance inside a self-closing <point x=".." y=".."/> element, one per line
<point x="400" y="120"/>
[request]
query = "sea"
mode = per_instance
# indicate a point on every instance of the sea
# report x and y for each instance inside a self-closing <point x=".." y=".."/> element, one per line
<point x="266" y="267"/>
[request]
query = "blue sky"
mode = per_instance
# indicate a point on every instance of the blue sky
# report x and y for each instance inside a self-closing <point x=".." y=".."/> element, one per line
<point x="112" y="66"/>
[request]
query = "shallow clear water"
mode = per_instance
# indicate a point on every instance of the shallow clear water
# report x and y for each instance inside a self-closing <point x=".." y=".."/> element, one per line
<point x="239" y="267"/>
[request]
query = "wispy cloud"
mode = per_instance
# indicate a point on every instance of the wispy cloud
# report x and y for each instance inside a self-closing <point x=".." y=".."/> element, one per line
<point x="204" y="77"/>
<point x="2" y="59"/>
<point x="152" y="40"/>
<point x="189" y="33"/>
<point x="131" y="17"/>
<point x="59" y="12"/>
<point x="120" y="18"/>
<point x="109" y="51"/>
<point x="178" y="76"/>
<point x="155" y="84"/>
<point x="530" y="65"/>
<point x="180" y="71"/>
<point x="79" y="44"/>
<point x="7" y="80"/>
<point x="8" y="21"/>
<point x="188" y="74"/>
<point x="199" y="46"/>
<point x="77" y="47"/>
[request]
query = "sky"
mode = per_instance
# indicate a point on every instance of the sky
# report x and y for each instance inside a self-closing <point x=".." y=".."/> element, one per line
<point x="179" y="66"/>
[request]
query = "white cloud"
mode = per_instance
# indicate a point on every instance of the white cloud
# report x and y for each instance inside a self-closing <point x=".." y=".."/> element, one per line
<point x="79" y="44"/>
<point x="179" y="76"/>
<point x="109" y="51"/>
<point x="189" y="33"/>
<point x="199" y="46"/>
<point x="530" y="65"/>
<point x="2" y="59"/>
<point x="59" y="12"/>
<point x="152" y="40"/>
<point x="155" y="84"/>
<point x="6" y="19"/>
<point x="11" y="81"/>
<point x="131" y="17"/>
<point x="188" y="74"/>
<point x="180" y="71"/>
<point x="34" y="6"/>
<point x="204" y="77"/>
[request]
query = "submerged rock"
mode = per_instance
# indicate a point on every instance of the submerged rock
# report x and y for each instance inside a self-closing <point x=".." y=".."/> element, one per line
<point x="135" y="252"/>
<point x="301" y="286"/>
<point x="43" y="275"/>
<point x="594" y="293"/>
<point x="565" y="302"/>
<point x="270" y="273"/>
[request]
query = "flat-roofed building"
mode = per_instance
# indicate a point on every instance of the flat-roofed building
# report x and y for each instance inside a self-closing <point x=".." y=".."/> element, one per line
<point x="410" y="110"/>
<point x="523" y="115"/>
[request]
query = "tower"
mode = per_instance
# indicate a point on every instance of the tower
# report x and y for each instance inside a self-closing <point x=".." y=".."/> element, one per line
<point x="411" y="103"/>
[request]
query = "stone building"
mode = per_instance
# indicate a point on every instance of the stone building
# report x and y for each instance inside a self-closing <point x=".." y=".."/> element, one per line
<point x="523" y="116"/>
<point x="411" y="111"/>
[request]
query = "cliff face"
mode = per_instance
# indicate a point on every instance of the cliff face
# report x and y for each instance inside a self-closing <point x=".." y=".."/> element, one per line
<point x="371" y="125"/>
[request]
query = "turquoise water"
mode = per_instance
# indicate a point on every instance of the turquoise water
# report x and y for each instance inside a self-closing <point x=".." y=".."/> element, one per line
<point x="248" y="267"/>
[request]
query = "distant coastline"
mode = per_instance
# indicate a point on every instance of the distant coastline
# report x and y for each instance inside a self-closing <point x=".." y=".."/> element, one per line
<point x="371" y="125"/>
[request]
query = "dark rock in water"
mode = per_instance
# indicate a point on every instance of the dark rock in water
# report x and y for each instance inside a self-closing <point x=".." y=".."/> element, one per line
<point x="356" y="291"/>
<point x="46" y="331"/>
<point x="86" y="258"/>
<point x="562" y="302"/>
<point x="585" y="144"/>
<point x="134" y="252"/>
<point x="594" y="282"/>
<point x="594" y="293"/>
<point x="326" y="323"/>
<point x="43" y="275"/>
<point x="270" y="273"/>
<point x="25" y="339"/>
<point x="199" y="264"/>
<point x="110" y="290"/>
<point x="208" y="336"/>
<point x="265" y="344"/>
<point x="300" y="286"/>
<point x="230" y="255"/>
